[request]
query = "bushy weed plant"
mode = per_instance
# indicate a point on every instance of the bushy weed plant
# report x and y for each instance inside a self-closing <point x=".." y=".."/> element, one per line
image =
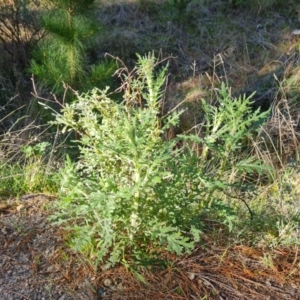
<point x="131" y="192"/>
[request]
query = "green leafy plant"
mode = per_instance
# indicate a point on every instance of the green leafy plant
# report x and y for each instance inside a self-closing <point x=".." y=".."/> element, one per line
<point x="131" y="192"/>
<point x="130" y="185"/>
<point x="221" y="146"/>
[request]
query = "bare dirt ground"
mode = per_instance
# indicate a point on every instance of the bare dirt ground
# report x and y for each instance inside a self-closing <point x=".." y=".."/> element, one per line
<point x="35" y="263"/>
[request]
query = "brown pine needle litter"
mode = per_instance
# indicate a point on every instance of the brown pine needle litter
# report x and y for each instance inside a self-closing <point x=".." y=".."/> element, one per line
<point x="37" y="264"/>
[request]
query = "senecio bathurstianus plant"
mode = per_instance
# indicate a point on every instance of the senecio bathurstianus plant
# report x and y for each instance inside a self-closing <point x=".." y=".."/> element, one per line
<point x="130" y="192"/>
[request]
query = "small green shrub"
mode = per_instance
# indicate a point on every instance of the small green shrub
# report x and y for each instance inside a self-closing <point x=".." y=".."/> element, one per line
<point x="62" y="55"/>
<point x="131" y="192"/>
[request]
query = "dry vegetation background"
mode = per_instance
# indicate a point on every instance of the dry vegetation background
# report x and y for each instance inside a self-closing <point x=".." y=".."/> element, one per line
<point x="252" y="46"/>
